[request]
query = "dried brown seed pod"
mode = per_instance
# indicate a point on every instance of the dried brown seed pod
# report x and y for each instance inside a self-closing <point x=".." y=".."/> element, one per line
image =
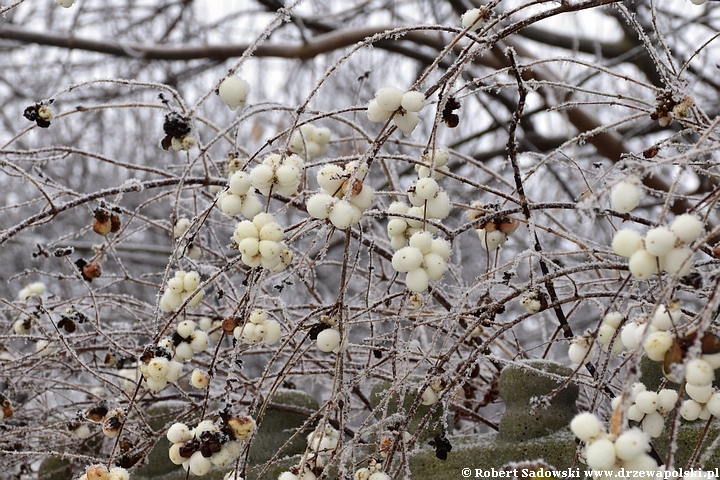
<point x="98" y="412"/>
<point x="102" y="223"/>
<point x="229" y="324"/>
<point x="91" y="270"/>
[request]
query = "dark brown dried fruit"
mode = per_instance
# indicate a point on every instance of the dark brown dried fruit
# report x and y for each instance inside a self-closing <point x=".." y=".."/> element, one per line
<point x="651" y="152"/>
<point x="90" y="271"/>
<point x="189" y="448"/>
<point x="451" y="119"/>
<point x="229" y="324"/>
<point x="98" y="412"/>
<point x="442" y="446"/>
<point x="316" y="329"/>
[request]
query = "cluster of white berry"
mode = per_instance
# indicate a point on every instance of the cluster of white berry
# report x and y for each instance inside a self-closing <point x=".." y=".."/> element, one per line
<point x="654" y="333"/>
<point x="277" y="175"/>
<point x="581" y="347"/>
<point x="400" y="229"/>
<point x="101" y="472"/>
<point x="179" y="288"/>
<point x="492" y="233"/>
<point x="260" y="243"/>
<point x="181" y="227"/>
<point x="32" y="289"/>
<point x="212" y="327"/>
<point x="704" y="402"/>
<point x="427" y="194"/>
<point x="663" y="248"/>
<point x="424" y="259"/>
<point x="323" y="440"/>
<point x="234" y="91"/>
<point x="23" y="326"/>
<point x="649" y="408"/>
<point x="239" y="198"/>
<point x="531" y="301"/>
<point x="258" y="328"/>
<point x="603" y="451"/>
<point x="187" y="340"/>
<point x="401" y="106"/>
<point x="343" y="195"/>
<point x="208" y="444"/>
<point x="184" y="143"/>
<point x="433" y="164"/>
<point x="65" y="3"/>
<point x="310" y="141"/>
<point x="372" y="472"/>
<point x="158" y="368"/>
<point x="430" y="394"/>
<point x="607" y="333"/>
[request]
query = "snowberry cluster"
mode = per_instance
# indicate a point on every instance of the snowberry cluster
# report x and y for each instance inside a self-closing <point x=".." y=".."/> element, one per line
<point x="181" y="227"/>
<point x="179" y="288"/>
<point x="208" y="444"/>
<point x="607" y="333"/>
<point x="277" y="175"/>
<point x="704" y="401"/>
<point x="662" y="249"/>
<point x="238" y="198"/>
<point x="430" y="394"/>
<point x="402" y="107"/>
<point x="35" y="288"/>
<point x="212" y="327"/>
<point x="23" y="326"/>
<point x="184" y="143"/>
<point x="532" y="301"/>
<point x="343" y="195"/>
<point x="474" y="18"/>
<point x="310" y="141"/>
<point x="320" y="442"/>
<point x="425" y="192"/>
<point x="65" y="3"/>
<point x="626" y="195"/>
<point x="581" y="349"/>
<point x="495" y="232"/>
<point x="259" y="243"/>
<point x="233" y="91"/>
<point x="323" y="440"/>
<point x="258" y="328"/>
<point x="298" y="473"/>
<point x="186" y="341"/>
<point x="649" y="408"/>
<point x="424" y="259"/>
<point x="372" y="472"/>
<point x="433" y="164"/>
<point x="158" y="368"/>
<point x="603" y="451"/>
<point x="400" y="229"/>
<point x="101" y="472"/>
